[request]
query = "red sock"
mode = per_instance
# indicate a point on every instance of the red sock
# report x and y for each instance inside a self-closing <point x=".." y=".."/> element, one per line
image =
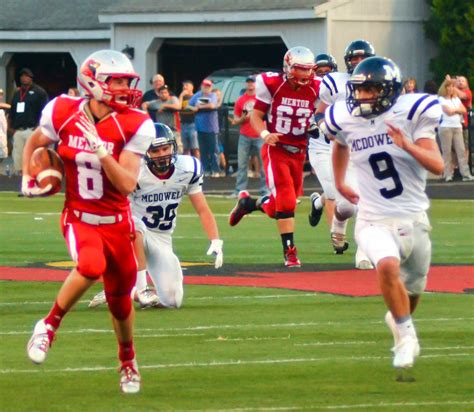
<point x="126" y="351"/>
<point x="55" y="316"/>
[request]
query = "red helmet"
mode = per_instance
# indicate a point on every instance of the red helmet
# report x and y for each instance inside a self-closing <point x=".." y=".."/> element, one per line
<point x="100" y="67"/>
<point x="298" y="58"/>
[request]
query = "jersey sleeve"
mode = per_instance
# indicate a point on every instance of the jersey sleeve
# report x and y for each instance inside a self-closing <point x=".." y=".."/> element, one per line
<point x="426" y="117"/>
<point x="141" y="140"/>
<point x="46" y="122"/>
<point x="333" y="121"/>
<point x="196" y="181"/>
<point x="263" y="95"/>
<point x="328" y="90"/>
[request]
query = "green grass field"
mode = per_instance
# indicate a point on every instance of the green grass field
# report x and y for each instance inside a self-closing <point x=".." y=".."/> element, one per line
<point x="235" y="349"/>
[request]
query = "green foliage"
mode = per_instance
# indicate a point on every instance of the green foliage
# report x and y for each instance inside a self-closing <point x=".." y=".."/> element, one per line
<point x="451" y="27"/>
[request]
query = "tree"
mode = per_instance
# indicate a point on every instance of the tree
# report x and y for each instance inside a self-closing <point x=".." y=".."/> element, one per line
<point x="451" y="26"/>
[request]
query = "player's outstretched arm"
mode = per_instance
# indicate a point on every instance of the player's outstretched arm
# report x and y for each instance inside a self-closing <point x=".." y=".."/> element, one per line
<point x="340" y="160"/>
<point x="208" y="222"/>
<point x="425" y="151"/>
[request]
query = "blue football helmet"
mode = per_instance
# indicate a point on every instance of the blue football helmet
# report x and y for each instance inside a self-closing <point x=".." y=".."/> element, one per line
<point x="163" y="137"/>
<point x="380" y="73"/>
<point x="357" y="48"/>
<point x="324" y="60"/>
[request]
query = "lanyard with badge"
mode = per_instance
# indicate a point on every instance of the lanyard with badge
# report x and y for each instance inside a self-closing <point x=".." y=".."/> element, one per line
<point x="20" y="106"/>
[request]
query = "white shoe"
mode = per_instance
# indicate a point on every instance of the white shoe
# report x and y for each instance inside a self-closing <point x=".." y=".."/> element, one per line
<point x="98" y="300"/>
<point x="147" y="298"/>
<point x="39" y="343"/>
<point x="405" y="352"/>
<point x="364" y="265"/>
<point x="393" y="328"/>
<point x="130" y="377"/>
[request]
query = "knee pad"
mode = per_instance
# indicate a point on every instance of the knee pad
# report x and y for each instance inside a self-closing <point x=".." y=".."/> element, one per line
<point x="345" y="210"/>
<point x="91" y="264"/>
<point x="119" y="305"/>
<point x="284" y="215"/>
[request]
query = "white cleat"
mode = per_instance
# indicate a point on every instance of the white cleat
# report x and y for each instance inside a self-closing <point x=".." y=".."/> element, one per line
<point x="147" y="298"/>
<point x="130" y="377"/>
<point x="98" y="300"/>
<point x="405" y="352"/>
<point x="39" y="343"/>
<point x="393" y="328"/>
<point x="364" y="265"/>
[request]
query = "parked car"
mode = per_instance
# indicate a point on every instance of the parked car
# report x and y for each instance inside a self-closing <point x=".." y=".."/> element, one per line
<point x="231" y="83"/>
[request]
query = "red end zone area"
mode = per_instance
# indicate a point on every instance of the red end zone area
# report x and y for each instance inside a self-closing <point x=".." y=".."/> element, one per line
<point x="446" y="279"/>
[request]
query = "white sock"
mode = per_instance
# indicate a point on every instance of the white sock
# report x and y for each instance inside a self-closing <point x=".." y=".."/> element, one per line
<point x="338" y="226"/>
<point x="406" y="327"/>
<point x="317" y="203"/>
<point x="141" y="280"/>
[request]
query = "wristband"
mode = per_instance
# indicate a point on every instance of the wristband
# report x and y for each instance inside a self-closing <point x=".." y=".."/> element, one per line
<point x="101" y="152"/>
<point x="318" y="117"/>
<point x="264" y="133"/>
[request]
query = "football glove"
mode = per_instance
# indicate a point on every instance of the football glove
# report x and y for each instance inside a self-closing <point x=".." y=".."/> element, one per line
<point x="215" y="249"/>
<point x="313" y="131"/>
<point x="29" y="187"/>
<point x="90" y="133"/>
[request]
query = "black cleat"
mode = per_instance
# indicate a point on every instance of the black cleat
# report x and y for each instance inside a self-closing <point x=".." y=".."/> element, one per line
<point x="315" y="215"/>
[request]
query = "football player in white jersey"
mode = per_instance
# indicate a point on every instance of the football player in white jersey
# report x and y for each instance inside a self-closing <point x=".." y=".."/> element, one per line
<point x="319" y="151"/>
<point x="165" y="177"/>
<point x="391" y="142"/>
<point x="333" y="89"/>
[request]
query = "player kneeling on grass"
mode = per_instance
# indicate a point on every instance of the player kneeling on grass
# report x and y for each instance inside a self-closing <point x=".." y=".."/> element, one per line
<point x="391" y="142"/>
<point x="101" y="140"/>
<point x="164" y="178"/>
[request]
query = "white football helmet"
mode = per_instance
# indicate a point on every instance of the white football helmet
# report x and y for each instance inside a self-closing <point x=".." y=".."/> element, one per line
<point x="102" y="65"/>
<point x="298" y="58"/>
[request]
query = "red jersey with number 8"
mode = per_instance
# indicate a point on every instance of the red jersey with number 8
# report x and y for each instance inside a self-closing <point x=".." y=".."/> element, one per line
<point x="288" y="111"/>
<point x="88" y="189"/>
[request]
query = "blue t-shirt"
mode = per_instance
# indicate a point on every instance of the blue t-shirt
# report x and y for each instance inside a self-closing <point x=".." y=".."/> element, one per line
<point x="206" y="120"/>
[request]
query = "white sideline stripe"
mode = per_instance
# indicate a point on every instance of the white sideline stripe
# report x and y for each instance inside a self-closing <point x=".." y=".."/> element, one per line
<point x="168" y="335"/>
<point x="224" y="339"/>
<point x="335" y="407"/>
<point x="243" y="326"/>
<point x="356" y="342"/>
<point x="233" y="297"/>
<point x="228" y="363"/>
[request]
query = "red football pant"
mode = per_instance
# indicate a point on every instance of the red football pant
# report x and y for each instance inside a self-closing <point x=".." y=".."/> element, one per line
<point x="103" y="250"/>
<point x="284" y="176"/>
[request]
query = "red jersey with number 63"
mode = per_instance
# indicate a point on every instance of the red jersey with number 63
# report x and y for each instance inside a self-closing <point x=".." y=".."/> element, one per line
<point x="88" y="189"/>
<point x="288" y="111"/>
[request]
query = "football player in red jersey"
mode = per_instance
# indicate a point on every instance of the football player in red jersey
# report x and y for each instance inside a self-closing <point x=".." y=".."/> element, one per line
<point x="288" y="100"/>
<point x="101" y="140"/>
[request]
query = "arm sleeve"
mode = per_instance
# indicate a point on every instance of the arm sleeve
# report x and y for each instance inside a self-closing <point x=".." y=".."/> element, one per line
<point x="141" y="140"/>
<point x="193" y="99"/>
<point x="263" y="95"/>
<point x="46" y="122"/>
<point x="333" y="124"/>
<point x="428" y="121"/>
<point x="196" y="181"/>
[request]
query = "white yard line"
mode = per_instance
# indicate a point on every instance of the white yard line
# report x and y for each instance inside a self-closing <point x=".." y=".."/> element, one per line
<point x="239" y="326"/>
<point x="238" y="362"/>
<point x="343" y="406"/>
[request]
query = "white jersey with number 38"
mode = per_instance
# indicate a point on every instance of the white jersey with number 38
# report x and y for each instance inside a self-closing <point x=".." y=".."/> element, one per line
<point x="155" y="201"/>
<point x="391" y="182"/>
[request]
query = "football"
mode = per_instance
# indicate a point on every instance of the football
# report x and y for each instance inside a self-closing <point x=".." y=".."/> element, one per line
<point x="47" y="168"/>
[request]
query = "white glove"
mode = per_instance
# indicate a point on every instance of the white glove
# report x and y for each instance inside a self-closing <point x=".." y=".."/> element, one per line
<point x="216" y="249"/>
<point x="90" y="133"/>
<point x="29" y="187"/>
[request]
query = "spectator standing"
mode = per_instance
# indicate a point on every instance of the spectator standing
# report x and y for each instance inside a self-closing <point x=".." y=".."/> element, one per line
<point x="430" y="87"/>
<point x="409" y="86"/>
<point x="27" y="103"/>
<point x="465" y="94"/>
<point x="250" y="143"/>
<point x="101" y="164"/>
<point x="3" y="128"/>
<point x="152" y="95"/>
<point x="74" y="92"/>
<point x="166" y="107"/>
<point x="204" y="104"/>
<point x="450" y="130"/>
<point x="188" y="128"/>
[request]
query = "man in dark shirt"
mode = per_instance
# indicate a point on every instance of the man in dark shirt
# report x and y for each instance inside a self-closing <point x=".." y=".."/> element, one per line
<point x="27" y="103"/>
